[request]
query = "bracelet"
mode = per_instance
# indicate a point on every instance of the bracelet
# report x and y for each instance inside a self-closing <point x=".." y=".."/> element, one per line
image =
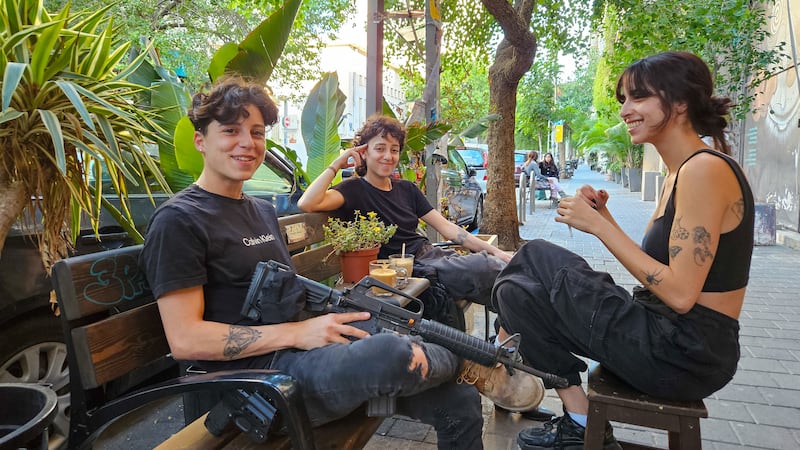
<point x="334" y="170"/>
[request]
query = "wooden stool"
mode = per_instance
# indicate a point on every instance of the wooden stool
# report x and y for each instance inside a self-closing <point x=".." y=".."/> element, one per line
<point x="612" y="399"/>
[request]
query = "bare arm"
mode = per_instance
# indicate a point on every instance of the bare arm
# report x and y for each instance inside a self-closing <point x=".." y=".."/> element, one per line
<point x="191" y="337"/>
<point x="693" y="240"/>
<point x="318" y="196"/>
<point x="458" y="235"/>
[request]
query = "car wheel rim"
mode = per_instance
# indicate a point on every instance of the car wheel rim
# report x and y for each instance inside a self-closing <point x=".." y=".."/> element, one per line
<point x="44" y="364"/>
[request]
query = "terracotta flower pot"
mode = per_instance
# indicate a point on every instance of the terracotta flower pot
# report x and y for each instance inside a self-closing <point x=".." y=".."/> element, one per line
<point x="355" y="264"/>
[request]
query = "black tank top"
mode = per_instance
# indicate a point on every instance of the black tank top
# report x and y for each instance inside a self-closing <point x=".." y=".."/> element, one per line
<point x="731" y="267"/>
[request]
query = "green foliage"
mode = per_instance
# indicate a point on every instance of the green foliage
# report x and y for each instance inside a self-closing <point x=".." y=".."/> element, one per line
<point x="319" y="122"/>
<point x="362" y="233"/>
<point x="536" y="103"/>
<point x="68" y="117"/>
<point x="725" y="33"/>
<point x="187" y="33"/>
<point x="255" y="58"/>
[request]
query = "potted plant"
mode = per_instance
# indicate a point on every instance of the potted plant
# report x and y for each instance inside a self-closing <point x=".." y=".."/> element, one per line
<point x="357" y="242"/>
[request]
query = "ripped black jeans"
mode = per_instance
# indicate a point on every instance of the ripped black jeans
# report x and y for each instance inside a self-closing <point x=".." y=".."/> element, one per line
<point x="338" y="378"/>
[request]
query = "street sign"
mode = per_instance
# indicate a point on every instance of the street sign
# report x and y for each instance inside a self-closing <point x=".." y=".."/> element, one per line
<point x="287" y="122"/>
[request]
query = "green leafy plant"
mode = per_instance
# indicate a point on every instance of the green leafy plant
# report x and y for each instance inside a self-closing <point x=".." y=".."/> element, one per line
<point x="359" y="234"/>
<point x="68" y="122"/>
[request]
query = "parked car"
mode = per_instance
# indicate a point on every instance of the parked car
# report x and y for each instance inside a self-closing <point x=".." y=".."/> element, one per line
<point x="462" y="192"/>
<point x="519" y="159"/>
<point x="32" y="349"/>
<point x="476" y="158"/>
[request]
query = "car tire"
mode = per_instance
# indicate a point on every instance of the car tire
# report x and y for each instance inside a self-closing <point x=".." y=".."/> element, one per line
<point x="33" y="351"/>
<point x="478" y="217"/>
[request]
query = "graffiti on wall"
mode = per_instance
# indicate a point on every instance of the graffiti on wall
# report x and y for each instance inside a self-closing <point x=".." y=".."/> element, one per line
<point x="771" y="144"/>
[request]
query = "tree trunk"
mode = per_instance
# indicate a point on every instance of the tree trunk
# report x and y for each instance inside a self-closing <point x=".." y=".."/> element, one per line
<point x="513" y="59"/>
<point x="13" y="199"/>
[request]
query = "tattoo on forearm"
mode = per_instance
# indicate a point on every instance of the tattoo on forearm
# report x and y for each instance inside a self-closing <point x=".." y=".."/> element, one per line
<point x="738" y="208"/>
<point x="652" y="279"/>
<point x="674" y="250"/>
<point x="678" y="232"/>
<point x="702" y="238"/>
<point x="461" y="237"/>
<point x="238" y="339"/>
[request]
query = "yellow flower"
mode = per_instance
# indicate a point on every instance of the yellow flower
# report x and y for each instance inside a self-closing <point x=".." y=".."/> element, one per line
<point x="361" y="233"/>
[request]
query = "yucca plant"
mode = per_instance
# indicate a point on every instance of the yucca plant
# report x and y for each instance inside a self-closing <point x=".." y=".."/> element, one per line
<point x="67" y="121"/>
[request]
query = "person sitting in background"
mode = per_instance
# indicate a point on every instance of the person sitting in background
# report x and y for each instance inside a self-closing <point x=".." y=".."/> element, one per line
<point x="376" y="153"/>
<point x="677" y="336"/>
<point x="199" y="257"/>
<point x="532" y="166"/>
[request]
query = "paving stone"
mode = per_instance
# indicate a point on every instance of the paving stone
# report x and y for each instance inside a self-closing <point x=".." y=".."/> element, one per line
<point x="764" y="365"/>
<point x="765" y="436"/>
<point x="781" y="397"/>
<point x="787" y="381"/>
<point x="740" y="393"/>
<point x="718" y="430"/>
<point x="775" y="415"/>
<point x="728" y="410"/>
<point x="753" y="378"/>
<point x="792" y="366"/>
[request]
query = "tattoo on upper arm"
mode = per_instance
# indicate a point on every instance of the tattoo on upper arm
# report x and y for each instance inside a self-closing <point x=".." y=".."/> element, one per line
<point x="678" y="232"/>
<point x="652" y="279"/>
<point x="238" y="339"/>
<point x="738" y="208"/>
<point x="702" y="238"/>
<point x="461" y="237"/>
<point x="674" y="250"/>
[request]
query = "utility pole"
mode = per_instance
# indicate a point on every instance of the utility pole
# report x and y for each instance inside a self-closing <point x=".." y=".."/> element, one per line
<point x="375" y="15"/>
<point x="433" y="40"/>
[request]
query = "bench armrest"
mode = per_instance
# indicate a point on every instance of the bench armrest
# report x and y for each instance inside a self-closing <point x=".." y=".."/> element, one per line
<point x="281" y="389"/>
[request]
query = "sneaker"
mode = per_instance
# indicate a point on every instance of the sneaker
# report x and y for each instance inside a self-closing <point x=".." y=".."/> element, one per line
<point x="519" y="392"/>
<point x="561" y="433"/>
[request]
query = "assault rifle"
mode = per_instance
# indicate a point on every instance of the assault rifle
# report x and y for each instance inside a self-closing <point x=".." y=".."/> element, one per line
<point x="389" y="317"/>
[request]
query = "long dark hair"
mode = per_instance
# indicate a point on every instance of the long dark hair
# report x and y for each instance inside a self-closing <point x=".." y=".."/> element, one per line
<point x="680" y="77"/>
<point x="378" y="125"/>
<point x="552" y="162"/>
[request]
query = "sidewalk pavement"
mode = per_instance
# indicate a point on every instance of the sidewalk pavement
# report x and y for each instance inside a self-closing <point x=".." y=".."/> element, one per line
<point x="760" y="408"/>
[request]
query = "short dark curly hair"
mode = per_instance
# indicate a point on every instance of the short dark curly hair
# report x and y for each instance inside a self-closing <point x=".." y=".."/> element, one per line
<point x="378" y="125"/>
<point x="227" y="102"/>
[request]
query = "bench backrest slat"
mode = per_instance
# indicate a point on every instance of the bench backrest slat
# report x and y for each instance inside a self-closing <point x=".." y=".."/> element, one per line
<point x="98" y="282"/>
<point x="119" y="345"/>
<point x="112" y="319"/>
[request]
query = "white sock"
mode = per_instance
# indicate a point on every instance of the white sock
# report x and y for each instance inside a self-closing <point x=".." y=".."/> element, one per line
<point x="579" y="418"/>
<point x="497" y="344"/>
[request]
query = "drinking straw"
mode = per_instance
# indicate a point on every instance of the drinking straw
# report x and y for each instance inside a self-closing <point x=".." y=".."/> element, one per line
<point x="403" y="251"/>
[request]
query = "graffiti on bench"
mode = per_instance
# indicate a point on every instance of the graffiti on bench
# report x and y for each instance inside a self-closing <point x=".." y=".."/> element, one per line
<point x="116" y="279"/>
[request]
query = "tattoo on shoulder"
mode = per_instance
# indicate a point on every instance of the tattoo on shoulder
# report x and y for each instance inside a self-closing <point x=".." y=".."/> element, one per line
<point x="678" y="232"/>
<point x="652" y="279"/>
<point x="702" y="253"/>
<point x="461" y="237"/>
<point x="674" y="250"/>
<point x="238" y="339"/>
<point x="738" y="208"/>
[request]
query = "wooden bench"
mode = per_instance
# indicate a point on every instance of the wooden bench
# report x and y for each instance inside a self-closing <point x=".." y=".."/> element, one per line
<point x="612" y="399"/>
<point x="119" y="357"/>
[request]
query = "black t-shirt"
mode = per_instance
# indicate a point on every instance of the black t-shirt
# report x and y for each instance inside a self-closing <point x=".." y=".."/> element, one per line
<point x="403" y="206"/>
<point x="199" y="238"/>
